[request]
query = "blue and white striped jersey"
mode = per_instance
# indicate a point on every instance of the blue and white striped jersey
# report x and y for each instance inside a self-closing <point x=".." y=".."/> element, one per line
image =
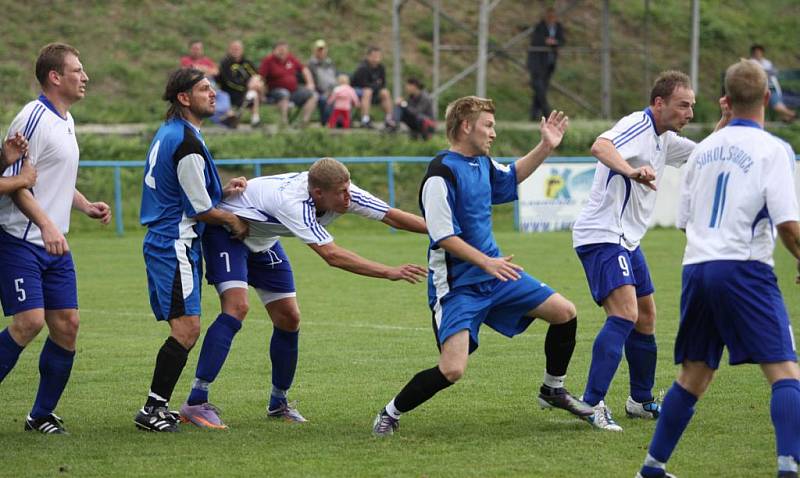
<point x="281" y="205"/>
<point x="456" y="198"/>
<point x="737" y="185"/>
<point x="180" y="181"/>
<point x="53" y="151"/>
<point x="620" y="210"/>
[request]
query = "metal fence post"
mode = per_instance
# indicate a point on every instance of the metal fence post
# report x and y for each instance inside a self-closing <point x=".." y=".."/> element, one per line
<point x="118" y="199"/>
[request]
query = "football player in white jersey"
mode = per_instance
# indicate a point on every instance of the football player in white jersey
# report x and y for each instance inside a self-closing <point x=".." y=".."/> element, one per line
<point x="37" y="275"/>
<point x="293" y="204"/>
<point x="737" y="190"/>
<point x="606" y="236"/>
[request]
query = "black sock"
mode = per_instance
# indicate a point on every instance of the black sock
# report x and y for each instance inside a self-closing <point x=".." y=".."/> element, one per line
<point x="170" y="361"/>
<point x="421" y="388"/>
<point x="559" y="345"/>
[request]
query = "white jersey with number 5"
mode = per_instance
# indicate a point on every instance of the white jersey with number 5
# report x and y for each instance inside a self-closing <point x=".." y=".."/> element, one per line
<point x="737" y="185"/>
<point x="620" y="210"/>
<point x="53" y="151"/>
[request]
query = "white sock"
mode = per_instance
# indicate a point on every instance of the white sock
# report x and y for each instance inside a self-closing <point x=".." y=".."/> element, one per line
<point x="554" y="381"/>
<point x="392" y="410"/>
<point x="653" y="463"/>
<point x="787" y="463"/>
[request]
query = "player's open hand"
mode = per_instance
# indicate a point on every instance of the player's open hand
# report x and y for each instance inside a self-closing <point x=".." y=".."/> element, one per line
<point x="100" y="211"/>
<point x="28" y="174"/>
<point x="54" y="242"/>
<point x="408" y="272"/>
<point x="239" y="228"/>
<point x="553" y="128"/>
<point x="13" y="148"/>
<point x="502" y="268"/>
<point x="235" y="186"/>
<point x="644" y="175"/>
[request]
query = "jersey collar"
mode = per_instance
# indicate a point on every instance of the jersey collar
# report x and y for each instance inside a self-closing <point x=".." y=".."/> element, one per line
<point x="744" y="122"/>
<point x="649" y="113"/>
<point x="50" y="106"/>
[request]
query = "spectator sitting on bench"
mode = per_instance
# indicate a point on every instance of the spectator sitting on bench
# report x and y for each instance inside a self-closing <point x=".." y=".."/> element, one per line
<point x="785" y="113"/>
<point x="416" y="110"/>
<point x="280" y="70"/>
<point x="369" y="81"/>
<point x="239" y="78"/>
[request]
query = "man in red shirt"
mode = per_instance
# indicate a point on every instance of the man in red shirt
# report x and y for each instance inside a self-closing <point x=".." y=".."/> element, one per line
<point x="196" y="59"/>
<point x="280" y="71"/>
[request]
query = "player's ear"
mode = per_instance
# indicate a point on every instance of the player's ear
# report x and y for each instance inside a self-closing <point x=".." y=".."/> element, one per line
<point x="184" y="98"/>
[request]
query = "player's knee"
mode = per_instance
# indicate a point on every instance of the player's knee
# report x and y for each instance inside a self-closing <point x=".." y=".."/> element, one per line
<point x="646" y="323"/>
<point x="238" y="310"/>
<point x="25" y="329"/>
<point x="453" y="372"/>
<point x="69" y="326"/>
<point x="566" y="312"/>
<point x="287" y="320"/>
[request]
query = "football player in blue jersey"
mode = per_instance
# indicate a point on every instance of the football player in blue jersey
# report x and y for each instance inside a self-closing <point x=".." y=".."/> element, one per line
<point x="179" y="196"/>
<point x="471" y="283"/>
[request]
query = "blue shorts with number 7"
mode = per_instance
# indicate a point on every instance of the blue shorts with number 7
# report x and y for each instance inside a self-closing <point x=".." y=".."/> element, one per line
<point x="610" y="266"/>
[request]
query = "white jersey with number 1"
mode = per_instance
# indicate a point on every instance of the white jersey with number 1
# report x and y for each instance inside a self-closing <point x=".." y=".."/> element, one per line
<point x="619" y="210"/>
<point x="53" y="151"/>
<point x="737" y="185"/>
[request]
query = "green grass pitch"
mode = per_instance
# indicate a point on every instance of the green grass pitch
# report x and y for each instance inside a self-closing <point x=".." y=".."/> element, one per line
<point x="361" y="340"/>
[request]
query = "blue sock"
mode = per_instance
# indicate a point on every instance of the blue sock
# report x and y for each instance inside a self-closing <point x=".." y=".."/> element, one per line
<point x="55" y="365"/>
<point x="785" y="411"/>
<point x="283" y="353"/>
<point x="9" y="353"/>
<point x="641" y="353"/>
<point x="676" y="411"/>
<point x="606" y="355"/>
<point x="216" y="346"/>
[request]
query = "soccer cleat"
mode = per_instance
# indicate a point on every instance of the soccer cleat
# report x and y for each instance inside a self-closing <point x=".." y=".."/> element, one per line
<point x="204" y="415"/>
<point x="650" y="409"/>
<point x="384" y="424"/>
<point x="601" y="418"/>
<point x="156" y="419"/>
<point x="561" y="398"/>
<point x="665" y="475"/>
<point x="787" y="474"/>
<point x="48" y="425"/>
<point x="287" y="412"/>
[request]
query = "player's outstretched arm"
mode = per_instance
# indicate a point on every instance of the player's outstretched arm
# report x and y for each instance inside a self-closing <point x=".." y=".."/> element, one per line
<point x="399" y="219"/>
<point x="499" y="267"/>
<point x="54" y="242"/>
<point x="96" y="210"/>
<point x="24" y="180"/>
<point x="552" y="132"/>
<point x="238" y="227"/>
<point x="342" y="258"/>
<point x="604" y="150"/>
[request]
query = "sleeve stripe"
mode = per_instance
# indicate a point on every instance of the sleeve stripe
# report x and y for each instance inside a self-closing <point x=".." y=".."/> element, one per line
<point x="631" y="136"/>
<point x="37" y="109"/>
<point x="368" y="202"/>
<point x="627" y="131"/>
<point x="313" y="225"/>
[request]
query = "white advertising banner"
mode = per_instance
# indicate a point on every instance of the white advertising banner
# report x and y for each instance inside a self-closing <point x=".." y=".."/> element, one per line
<point x="552" y="197"/>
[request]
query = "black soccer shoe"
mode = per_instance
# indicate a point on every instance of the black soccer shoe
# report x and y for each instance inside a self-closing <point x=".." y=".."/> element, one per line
<point x="50" y="424"/>
<point x="561" y="398"/>
<point x="156" y="419"/>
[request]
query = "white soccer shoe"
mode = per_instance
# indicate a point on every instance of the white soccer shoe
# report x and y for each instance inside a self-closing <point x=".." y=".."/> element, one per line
<point x="602" y="418"/>
<point x="647" y="410"/>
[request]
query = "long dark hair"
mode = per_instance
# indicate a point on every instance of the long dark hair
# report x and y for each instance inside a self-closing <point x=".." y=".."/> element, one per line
<point x="179" y="81"/>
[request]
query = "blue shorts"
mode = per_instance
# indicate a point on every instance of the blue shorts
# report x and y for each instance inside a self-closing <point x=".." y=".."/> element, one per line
<point x="610" y="266"/>
<point x="500" y="305"/>
<point x="174" y="268"/>
<point x="734" y="304"/>
<point x="229" y="260"/>
<point x="30" y="278"/>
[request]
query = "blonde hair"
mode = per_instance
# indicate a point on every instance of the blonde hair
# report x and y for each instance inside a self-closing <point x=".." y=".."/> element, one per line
<point x="467" y="108"/>
<point x="343" y="79"/>
<point x="745" y="84"/>
<point x="327" y="173"/>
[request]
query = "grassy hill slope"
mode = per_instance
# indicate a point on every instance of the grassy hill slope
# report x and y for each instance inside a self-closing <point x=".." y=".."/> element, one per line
<point x="129" y="46"/>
